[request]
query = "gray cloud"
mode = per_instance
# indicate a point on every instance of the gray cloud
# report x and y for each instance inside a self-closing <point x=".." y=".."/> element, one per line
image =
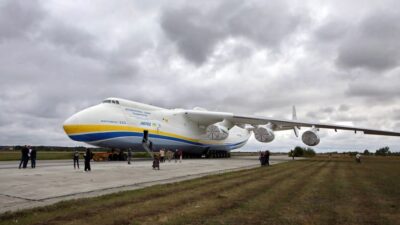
<point x="396" y="115"/>
<point x="332" y="31"/>
<point x="71" y="39"/>
<point x="196" y="32"/>
<point x="327" y="110"/>
<point x="19" y="18"/>
<point x="373" y="44"/>
<point x="194" y="38"/>
<point x="384" y="90"/>
<point x="344" y="107"/>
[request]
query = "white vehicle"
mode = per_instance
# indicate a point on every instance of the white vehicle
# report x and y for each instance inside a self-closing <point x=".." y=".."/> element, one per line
<point x="120" y="123"/>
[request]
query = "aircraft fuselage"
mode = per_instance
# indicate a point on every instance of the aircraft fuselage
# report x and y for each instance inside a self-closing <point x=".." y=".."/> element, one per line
<point x="118" y="123"/>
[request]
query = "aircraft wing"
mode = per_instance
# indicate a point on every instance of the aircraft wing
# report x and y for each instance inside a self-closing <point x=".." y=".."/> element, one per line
<point x="207" y="118"/>
<point x="290" y="124"/>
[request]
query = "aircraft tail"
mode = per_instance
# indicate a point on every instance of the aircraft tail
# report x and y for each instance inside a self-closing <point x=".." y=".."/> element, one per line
<point x="294" y="114"/>
<point x="294" y="117"/>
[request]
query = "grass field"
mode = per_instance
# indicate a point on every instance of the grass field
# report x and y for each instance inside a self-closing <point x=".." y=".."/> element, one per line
<point x="16" y="155"/>
<point x="315" y="191"/>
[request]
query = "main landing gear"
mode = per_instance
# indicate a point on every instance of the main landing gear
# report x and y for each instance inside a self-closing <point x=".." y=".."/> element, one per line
<point x="218" y="154"/>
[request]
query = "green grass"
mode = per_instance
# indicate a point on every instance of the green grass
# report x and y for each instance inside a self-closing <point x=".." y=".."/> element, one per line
<point x="41" y="155"/>
<point x="314" y="191"/>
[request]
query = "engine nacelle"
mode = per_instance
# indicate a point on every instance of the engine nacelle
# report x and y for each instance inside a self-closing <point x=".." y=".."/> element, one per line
<point x="217" y="132"/>
<point x="310" y="137"/>
<point x="264" y="134"/>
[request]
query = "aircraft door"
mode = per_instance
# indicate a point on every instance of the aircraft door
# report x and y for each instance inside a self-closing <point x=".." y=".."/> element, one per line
<point x="145" y="136"/>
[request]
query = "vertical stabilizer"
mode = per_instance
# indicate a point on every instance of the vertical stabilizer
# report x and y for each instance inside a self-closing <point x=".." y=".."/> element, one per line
<point x="294" y="114"/>
<point x="294" y="117"/>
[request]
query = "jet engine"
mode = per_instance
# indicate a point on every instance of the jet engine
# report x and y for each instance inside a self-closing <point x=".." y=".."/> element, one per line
<point x="311" y="137"/>
<point x="217" y="132"/>
<point x="264" y="133"/>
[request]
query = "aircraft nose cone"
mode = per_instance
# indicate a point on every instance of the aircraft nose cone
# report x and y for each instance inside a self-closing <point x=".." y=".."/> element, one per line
<point x="68" y="123"/>
<point x="74" y="125"/>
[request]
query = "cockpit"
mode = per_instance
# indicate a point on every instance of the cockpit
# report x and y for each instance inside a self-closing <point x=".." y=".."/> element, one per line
<point x="111" y="101"/>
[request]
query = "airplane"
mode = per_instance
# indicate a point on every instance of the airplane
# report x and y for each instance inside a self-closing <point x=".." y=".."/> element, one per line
<point x="123" y="124"/>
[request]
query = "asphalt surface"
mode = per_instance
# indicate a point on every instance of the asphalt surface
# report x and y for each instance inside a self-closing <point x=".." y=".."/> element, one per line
<point x="56" y="180"/>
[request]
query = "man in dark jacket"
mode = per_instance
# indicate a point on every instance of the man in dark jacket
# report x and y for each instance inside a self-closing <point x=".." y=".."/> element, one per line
<point x="88" y="157"/>
<point x="267" y="157"/>
<point x="129" y="155"/>
<point x="24" y="156"/>
<point x="33" y="157"/>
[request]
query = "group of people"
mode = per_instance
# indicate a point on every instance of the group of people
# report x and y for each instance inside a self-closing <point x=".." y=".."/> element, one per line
<point x="27" y="153"/>
<point x="264" y="158"/>
<point x="87" y="156"/>
<point x="163" y="153"/>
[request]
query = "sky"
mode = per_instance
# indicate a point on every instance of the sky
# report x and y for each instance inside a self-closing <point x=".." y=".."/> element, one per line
<point x="337" y="61"/>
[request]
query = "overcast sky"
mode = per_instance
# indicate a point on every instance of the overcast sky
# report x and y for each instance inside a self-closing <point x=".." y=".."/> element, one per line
<point x="337" y="61"/>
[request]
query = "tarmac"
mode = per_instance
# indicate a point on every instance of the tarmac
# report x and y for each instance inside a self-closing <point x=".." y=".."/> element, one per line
<point x="56" y="180"/>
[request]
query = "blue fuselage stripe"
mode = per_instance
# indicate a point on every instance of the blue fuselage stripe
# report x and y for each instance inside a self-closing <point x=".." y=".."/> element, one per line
<point x="91" y="137"/>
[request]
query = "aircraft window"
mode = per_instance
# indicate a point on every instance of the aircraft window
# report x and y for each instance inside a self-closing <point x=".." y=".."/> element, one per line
<point x="107" y="101"/>
<point x="113" y="101"/>
<point x="117" y="102"/>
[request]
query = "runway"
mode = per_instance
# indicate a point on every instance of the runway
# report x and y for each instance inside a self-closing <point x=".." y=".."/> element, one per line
<point x="56" y="180"/>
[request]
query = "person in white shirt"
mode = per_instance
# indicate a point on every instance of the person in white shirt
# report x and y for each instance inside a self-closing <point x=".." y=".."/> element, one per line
<point x="358" y="157"/>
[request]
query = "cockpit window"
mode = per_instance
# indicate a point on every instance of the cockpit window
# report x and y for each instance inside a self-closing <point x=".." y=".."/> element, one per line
<point x="111" y="101"/>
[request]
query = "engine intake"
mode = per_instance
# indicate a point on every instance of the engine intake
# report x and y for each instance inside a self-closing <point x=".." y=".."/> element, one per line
<point x="217" y="132"/>
<point x="310" y="137"/>
<point x="264" y="134"/>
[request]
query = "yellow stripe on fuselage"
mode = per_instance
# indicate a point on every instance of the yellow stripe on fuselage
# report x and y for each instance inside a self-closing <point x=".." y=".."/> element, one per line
<point x="93" y="128"/>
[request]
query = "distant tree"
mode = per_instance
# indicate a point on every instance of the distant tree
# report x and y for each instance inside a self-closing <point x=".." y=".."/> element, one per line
<point x="298" y="151"/>
<point x="383" y="151"/>
<point x="309" y="152"/>
<point x="366" y="152"/>
<point x="352" y="153"/>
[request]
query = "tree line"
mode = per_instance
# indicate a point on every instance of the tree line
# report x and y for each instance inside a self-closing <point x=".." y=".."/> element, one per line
<point x="383" y="151"/>
<point x="302" y="152"/>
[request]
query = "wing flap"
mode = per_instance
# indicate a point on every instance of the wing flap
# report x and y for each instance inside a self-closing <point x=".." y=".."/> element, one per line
<point x="206" y="117"/>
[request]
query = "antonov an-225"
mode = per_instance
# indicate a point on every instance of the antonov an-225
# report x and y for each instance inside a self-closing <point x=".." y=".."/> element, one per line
<point x="123" y="124"/>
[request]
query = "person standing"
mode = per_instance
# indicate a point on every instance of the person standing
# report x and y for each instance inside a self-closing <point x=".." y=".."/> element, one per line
<point x="156" y="161"/>
<point x="88" y="157"/>
<point x="169" y="155"/>
<point x="162" y="155"/>
<point x="76" y="159"/>
<point x="24" y="154"/>
<point x="261" y="158"/>
<point x="180" y="153"/>
<point x="33" y="157"/>
<point x="129" y="155"/>
<point x="176" y="155"/>
<point x="358" y="157"/>
<point x="267" y="158"/>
